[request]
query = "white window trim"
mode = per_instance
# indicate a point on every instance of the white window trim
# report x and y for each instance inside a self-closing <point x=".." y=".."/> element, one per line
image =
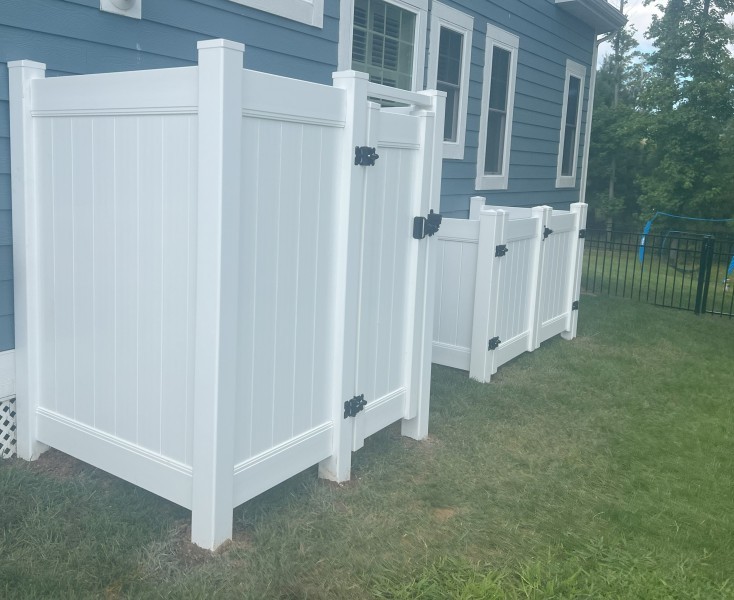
<point x="579" y="71"/>
<point x="500" y="38"/>
<point x="450" y="18"/>
<point x="310" y="12"/>
<point x="346" y="27"/>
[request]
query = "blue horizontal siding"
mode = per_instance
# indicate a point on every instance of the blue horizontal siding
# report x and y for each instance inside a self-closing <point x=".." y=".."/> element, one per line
<point x="548" y="36"/>
<point x="75" y="37"/>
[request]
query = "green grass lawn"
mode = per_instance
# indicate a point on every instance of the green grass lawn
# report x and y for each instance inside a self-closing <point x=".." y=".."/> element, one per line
<point x="598" y="468"/>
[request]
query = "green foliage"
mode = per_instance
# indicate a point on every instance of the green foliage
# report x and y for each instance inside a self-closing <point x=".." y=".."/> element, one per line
<point x="671" y="134"/>
<point x="617" y="151"/>
<point x="689" y="98"/>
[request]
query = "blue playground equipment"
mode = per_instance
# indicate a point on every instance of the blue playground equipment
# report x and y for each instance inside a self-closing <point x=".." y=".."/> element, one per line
<point x="648" y="227"/>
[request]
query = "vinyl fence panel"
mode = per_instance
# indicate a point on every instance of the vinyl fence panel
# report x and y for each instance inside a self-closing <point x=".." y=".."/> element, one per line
<point x="509" y="279"/>
<point x="205" y="277"/>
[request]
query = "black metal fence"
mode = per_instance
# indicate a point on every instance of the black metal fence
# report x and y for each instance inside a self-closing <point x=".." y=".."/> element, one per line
<point x="675" y="269"/>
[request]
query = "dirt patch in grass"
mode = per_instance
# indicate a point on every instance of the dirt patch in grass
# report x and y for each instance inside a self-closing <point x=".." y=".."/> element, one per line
<point x="60" y="465"/>
<point x="443" y="514"/>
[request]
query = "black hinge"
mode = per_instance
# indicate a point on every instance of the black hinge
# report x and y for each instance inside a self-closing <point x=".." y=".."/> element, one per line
<point x="364" y="156"/>
<point x="546" y="233"/>
<point x="582" y="233"/>
<point x="500" y="251"/>
<point x="353" y="406"/>
<point x="426" y="226"/>
<point x="494" y="343"/>
<point x="575" y="305"/>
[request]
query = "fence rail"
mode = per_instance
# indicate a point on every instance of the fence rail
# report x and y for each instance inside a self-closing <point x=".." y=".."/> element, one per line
<point x="675" y="269"/>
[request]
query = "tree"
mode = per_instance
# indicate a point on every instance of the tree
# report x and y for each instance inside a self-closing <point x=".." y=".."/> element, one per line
<point x="689" y="99"/>
<point x="616" y="140"/>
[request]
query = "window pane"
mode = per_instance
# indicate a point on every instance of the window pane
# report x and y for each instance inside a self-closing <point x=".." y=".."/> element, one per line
<point x="569" y="134"/>
<point x="448" y="78"/>
<point x="449" y="56"/>
<point x="497" y="113"/>
<point x="382" y="42"/>
<point x="451" y="123"/>
<point x="574" y="86"/>
<point x="500" y="77"/>
<point x="495" y="143"/>
<point x="569" y="149"/>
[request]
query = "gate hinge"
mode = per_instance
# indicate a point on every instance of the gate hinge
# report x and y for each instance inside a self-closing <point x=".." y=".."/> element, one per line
<point x="353" y="406"/>
<point x="500" y="251"/>
<point x="575" y="305"/>
<point x="426" y="226"/>
<point x="364" y="156"/>
<point x="546" y="233"/>
<point x="494" y="343"/>
<point x="582" y="233"/>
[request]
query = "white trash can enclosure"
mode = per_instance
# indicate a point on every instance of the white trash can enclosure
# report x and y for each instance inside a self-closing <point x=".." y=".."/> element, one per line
<point x="215" y="270"/>
<point x="508" y="279"/>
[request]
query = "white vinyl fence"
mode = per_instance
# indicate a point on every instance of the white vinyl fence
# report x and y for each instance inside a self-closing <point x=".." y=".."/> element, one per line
<point x="508" y="279"/>
<point x="208" y="287"/>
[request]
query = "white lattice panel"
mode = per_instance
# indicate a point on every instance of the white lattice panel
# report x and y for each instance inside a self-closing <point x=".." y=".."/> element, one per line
<point x="7" y="428"/>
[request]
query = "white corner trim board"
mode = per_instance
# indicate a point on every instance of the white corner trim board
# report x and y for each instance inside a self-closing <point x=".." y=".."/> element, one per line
<point x="310" y="12"/>
<point x="7" y="374"/>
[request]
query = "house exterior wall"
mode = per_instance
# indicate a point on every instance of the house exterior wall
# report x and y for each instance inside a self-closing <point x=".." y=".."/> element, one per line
<point x="548" y="36"/>
<point x="75" y="37"/>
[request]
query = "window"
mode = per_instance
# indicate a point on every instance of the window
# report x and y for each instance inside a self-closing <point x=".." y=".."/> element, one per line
<point x="568" y="148"/>
<point x="310" y="12"/>
<point x="498" y="99"/>
<point x="385" y="39"/>
<point x="448" y="70"/>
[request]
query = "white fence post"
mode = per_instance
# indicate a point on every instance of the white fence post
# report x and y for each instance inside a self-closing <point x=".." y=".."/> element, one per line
<point x="348" y="230"/>
<point x="543" y="214"/>
<point x="475" y="205"/>
<point x="491" y="233"/>
<point x="25" y="255"/>
<point x="220" y="123"/>
<point x="416" y="426"/>
<point x="579" y="209"/>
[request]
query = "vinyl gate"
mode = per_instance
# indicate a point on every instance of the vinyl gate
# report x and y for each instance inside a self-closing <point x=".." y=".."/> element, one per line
<point x="208" y="284"/>
<point x="508" y="280"/>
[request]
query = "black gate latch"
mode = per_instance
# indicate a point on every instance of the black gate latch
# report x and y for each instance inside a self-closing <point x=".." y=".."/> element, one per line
<point x="364" y="156"/>
<point x="494" y="343"/>
<point x="546" y="233"/>
<point x="426" y="226"/>
<point x="353" y="406"/>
